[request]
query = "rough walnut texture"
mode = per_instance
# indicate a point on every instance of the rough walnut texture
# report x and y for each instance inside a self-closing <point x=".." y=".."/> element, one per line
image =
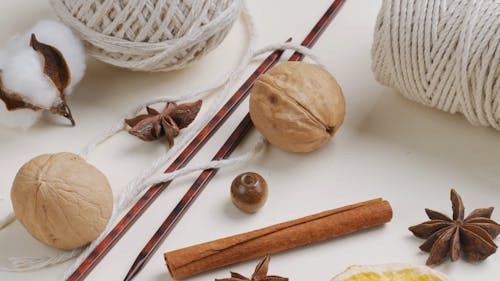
<point x="62" y="200"/>
<point x="297" y="106"/>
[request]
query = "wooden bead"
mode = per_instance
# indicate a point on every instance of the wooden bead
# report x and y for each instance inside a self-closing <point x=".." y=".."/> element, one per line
<point x="249" y="192"/>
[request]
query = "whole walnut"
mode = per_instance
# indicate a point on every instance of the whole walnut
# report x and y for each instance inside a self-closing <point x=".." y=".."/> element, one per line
<point x="297" y="106"/>
<point x="61" y="200"/>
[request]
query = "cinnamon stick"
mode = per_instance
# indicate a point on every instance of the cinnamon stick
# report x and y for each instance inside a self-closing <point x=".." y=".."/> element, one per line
<point x="207" y="256"/>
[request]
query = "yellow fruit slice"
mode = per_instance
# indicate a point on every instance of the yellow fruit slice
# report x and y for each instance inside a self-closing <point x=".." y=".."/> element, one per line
<point x="390" y="272"/>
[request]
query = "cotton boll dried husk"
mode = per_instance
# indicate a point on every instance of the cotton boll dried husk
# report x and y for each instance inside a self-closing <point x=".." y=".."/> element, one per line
<point x="61" y="200"/>
<point x="50" y="44"/>
<point x="23" y="118"/>
<point x="61" y="37"/>
<point x="297" y="106"/>
<point x="22" y="74"/>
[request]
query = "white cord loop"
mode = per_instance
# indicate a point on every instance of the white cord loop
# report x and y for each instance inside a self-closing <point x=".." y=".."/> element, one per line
<point x="144" y="179"/>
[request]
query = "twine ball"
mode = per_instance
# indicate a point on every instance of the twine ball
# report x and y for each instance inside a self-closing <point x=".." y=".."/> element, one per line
<point x="149" y="35"/>
<point x="61" y="200"/>
<point x="443" y="54"/>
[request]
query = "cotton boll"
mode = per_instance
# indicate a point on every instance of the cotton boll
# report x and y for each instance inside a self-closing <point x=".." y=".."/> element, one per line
<point x="22" y="73"/>
<point x="3" y="56"/>
<point x="21" y="118"/>
<point x="61" y="37"/>
<point x="17" y="42"/>
<point x="58" y="35"/>
<point x="22" y="64"/>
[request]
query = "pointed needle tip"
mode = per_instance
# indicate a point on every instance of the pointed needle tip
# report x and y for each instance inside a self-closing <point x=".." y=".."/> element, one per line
<point x="129" y="277"/>
<point x="134" y="270"/>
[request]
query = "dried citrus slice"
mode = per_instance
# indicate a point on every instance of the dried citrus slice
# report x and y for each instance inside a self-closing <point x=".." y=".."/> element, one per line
<point x="390" y="272"/>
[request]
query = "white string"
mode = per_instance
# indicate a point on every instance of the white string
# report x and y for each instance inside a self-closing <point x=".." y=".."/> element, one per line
<point x="131" y="190"/>
<point x="214" y="164"/>
<point x="224" y="81"/>
<point x="22" y="264"/>
<point x="143" y="180"/>
<point x="291" y="47"/>
<point x="7" y="219"/>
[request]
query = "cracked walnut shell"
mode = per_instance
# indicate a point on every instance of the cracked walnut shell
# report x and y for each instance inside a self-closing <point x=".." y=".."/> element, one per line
<point x="297" y="106"/>
<point x="61" y="200"/>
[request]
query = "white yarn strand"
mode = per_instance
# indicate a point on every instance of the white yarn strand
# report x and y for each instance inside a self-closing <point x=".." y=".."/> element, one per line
<point x="7" y="219"/>
<point x="20" y="264"/>
<point x="443" y="54"/>
<point x="23" y="264"/>
<point x="289" y="46"/>
<point x="214" y="164"/>
<point x="141" y="182"/>
<point x="130" y="192"/>
<point x="144" y="179"/>
<point x="134" y="187"/>
<point x="224" y="81"/>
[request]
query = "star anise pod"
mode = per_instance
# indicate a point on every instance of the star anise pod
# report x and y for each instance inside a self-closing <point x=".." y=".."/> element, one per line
<point x="169" y="122"/>
<point x="260" y="274"/>
<point x="472" y="235"/>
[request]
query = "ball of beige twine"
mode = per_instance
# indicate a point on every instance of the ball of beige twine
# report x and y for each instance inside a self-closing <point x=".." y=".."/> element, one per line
<point x="443" y="54"/>
<point x="149" y="35"/>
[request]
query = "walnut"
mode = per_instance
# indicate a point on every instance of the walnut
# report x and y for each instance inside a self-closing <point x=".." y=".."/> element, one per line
<point x="297" y="106"/>
<point x="61" y="200"/>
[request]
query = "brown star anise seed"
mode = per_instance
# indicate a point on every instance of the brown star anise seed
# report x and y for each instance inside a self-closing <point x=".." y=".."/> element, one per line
<point x="260" y="273"/>
<point x="154" y="124"/>
<point x="184" y="114"/>
<point x="473" y="235"/>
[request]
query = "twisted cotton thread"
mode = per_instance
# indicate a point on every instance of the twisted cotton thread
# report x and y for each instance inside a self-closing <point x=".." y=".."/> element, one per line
<point x="132" y="189"/>
<point x="136" y="186"/>
<point x="154" y="35"/>
<point x="7" y="219"/>
<point x="144" y="180"/>
<point x="443" y="54"/>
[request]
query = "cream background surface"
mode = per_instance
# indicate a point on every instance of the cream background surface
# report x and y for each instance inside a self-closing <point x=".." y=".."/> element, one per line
<point x="388" y="147"/>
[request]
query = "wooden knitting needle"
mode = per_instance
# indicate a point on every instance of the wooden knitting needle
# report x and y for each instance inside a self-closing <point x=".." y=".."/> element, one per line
<point x="186" y="155"/>
<point x="225" y="151"/>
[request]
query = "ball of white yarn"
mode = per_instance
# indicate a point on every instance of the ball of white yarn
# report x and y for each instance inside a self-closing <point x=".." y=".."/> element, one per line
<point x="153" y="35"/>
<point x="443" y="54"/>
